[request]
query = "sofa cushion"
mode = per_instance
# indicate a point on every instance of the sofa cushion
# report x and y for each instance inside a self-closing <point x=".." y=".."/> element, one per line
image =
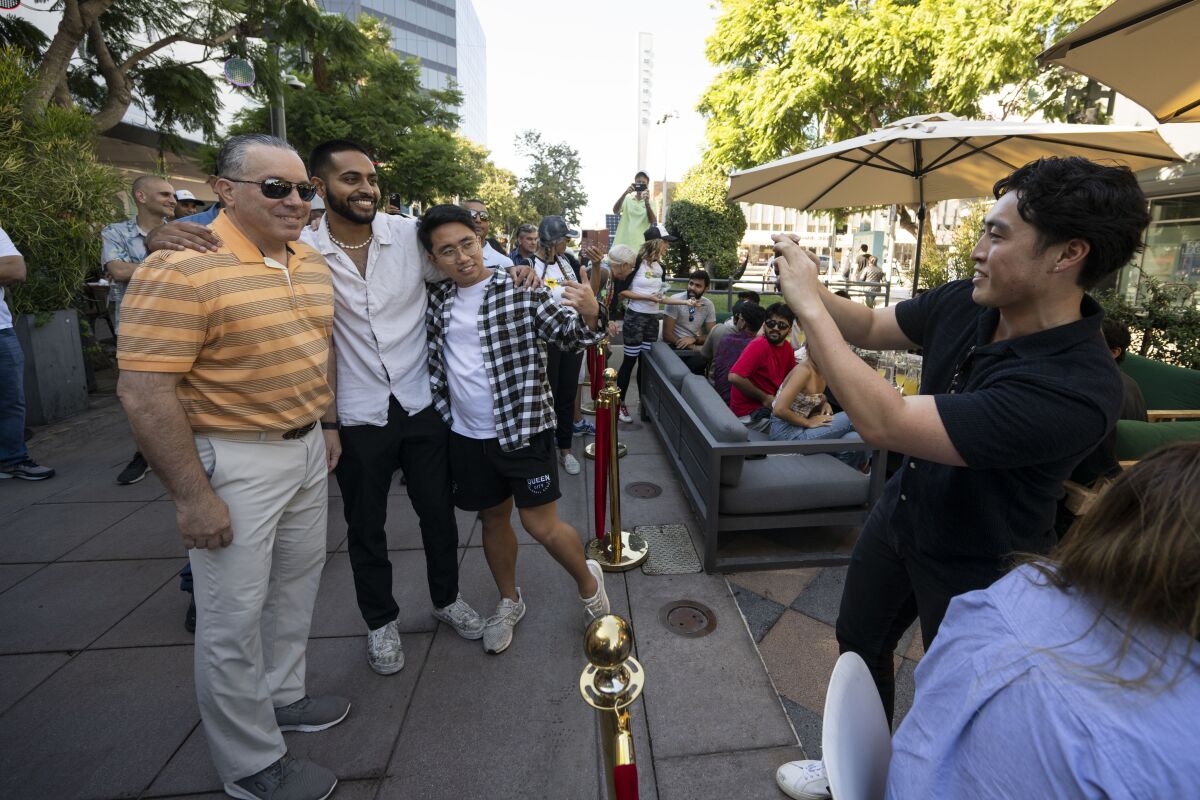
<point x="789" y="483"/>
<point x="715" y="416"/>
<point x="671" y="365"/>
<point x="1163" y="385"/>
<point x="1135" y="439"/>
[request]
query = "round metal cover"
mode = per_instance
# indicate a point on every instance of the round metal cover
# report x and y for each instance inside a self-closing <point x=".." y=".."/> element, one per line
<point x="689" y="618"/>
<point x="643" y="489"/>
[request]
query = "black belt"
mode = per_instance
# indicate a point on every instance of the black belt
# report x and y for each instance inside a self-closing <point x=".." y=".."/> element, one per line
<point x="296" y="433"/>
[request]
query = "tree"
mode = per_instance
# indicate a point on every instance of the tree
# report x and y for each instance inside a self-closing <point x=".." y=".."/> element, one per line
<point x="497" y="189"/>
<point x="375" y="99"/>
<point x="109" y="54"/>
<point x="551" y="183"/>
<point x="56" y="194"/>
<point x="953" y="262"/>
<point x="797" y="74"/>
<point x="709" y="225"/>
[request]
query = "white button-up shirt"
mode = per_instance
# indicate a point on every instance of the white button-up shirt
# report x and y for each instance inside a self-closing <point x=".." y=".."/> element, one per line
<point x="379" y="321"/>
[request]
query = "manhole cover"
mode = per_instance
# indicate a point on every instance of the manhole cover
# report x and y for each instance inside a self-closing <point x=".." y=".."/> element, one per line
<point x="689" y="618"/>
<point x="643" y="489"/>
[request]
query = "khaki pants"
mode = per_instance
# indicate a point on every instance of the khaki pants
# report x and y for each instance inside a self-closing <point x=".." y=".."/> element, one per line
<point x="254" y="598"/>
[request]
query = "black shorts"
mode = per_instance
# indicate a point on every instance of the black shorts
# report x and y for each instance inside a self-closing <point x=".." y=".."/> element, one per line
<point x="483" y="475"/>
<point x="639" y="329"/>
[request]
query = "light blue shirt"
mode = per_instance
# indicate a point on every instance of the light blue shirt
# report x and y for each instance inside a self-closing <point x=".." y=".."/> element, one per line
<point x="121" y="241"/>
<point x="1009" y="704"/>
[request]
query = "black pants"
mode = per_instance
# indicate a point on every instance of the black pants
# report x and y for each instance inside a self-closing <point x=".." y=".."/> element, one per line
<point x="418" y="445"/>
<point x="888" y="586"/>
<point x="694" y="359"/>
<point x="562" y="372"/>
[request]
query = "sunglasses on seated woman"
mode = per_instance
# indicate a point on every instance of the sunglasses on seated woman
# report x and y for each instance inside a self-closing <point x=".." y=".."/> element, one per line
<point x="277" y="188"/>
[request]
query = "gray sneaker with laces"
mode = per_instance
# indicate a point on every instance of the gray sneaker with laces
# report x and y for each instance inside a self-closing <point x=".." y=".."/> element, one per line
<point x="287" y="779"/>
<point x="312" y="714"/>
<point x="385" y="655"/>
<point x="459" y="615"/>
<point x="597" y="605"/>
<point x="498" y="633"/>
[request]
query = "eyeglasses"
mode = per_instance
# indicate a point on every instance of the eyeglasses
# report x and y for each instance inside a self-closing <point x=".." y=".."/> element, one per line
<point x="480" y="215"/>
<point x="450" y="252"/>
<point x="776" y="324"/>
<point x="961" y="371"/>
<point x="277" y="188"/>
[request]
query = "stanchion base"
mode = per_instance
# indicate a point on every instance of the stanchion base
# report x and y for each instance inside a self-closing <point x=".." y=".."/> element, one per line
<point x="634" y="550"/>
<point x="590" y="451"/>
<point x="587" y="407"/>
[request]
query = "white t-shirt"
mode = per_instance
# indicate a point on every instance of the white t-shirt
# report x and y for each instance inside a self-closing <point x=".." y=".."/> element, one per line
<point x="470" y="390"/>
<point x="493" y="259"/>
<point x="553" y="276"/>
<point x="7" y="248"/>
<point x="647" y="279"/>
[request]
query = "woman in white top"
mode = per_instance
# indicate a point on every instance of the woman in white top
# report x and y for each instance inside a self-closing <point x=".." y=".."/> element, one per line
<point x="645" y="295"/>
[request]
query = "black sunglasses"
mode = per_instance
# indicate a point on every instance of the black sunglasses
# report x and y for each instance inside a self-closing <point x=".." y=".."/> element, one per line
<point x="483" y="215"/>
<point x="776" y="324"/>
<point x="277" y="188"/>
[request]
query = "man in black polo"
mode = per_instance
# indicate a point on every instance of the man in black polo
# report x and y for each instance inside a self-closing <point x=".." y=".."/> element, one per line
<point x="1018" y="386"/>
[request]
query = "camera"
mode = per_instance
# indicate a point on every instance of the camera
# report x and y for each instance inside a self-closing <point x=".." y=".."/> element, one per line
<point x="639" y="187"/>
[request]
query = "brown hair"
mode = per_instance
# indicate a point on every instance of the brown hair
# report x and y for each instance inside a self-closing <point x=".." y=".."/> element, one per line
<point x="652" y="251"/>
<point x="1137" y="550"/>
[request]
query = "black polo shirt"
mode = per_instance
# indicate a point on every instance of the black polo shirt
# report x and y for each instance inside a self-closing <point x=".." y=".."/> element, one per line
<point x="1021" y="412"/>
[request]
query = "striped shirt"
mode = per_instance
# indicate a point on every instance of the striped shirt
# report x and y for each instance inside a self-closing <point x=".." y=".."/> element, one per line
<point x="251" y="339"/>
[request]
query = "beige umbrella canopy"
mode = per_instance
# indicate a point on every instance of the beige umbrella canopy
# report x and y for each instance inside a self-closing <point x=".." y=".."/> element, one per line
<point x="1145" y="49"/>
<point x="935" y="157"/>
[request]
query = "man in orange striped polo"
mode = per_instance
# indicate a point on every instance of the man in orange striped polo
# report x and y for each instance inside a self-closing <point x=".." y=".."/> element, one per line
<point x="224" y="358"/>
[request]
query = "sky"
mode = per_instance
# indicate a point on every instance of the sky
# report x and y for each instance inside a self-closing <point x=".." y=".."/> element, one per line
<point x="571" y="72"/>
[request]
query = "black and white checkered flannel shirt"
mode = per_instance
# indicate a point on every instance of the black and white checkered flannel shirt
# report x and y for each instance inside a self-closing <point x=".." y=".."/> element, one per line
<point x="515" y="327"/>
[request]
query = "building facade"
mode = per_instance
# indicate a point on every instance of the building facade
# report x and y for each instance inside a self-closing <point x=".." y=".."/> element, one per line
<point x="445" y="38"/>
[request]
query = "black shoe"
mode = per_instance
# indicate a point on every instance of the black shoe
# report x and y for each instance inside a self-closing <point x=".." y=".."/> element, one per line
<point x="137" y="469"/>
<point x="189" y="619"/>
<point x="27" y="470"/>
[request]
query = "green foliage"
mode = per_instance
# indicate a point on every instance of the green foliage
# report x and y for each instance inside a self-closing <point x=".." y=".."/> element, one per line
<point x="551" y="183"/>
<point x="708" y="223"/>
<point x="23" y="36"/>
<point x="497" y="189"/>
<point x="796" y="74"/>
<point x="56" y="195"/>
<point x="375" y="99"/>
<point x="1162" y="328"/>
<point x="952" y="262"/>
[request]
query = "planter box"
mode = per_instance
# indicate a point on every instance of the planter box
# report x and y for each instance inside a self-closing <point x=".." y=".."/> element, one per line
<point x="55" y="378"/>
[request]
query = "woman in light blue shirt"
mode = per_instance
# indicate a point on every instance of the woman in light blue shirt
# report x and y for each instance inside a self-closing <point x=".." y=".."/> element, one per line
<point x="1076" y="676"/>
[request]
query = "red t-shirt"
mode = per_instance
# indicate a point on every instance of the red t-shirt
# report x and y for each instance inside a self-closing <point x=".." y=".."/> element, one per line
<point x="764" y="365"/>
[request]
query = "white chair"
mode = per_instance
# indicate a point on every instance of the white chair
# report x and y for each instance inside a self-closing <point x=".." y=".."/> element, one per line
<point x="856" y="742"/>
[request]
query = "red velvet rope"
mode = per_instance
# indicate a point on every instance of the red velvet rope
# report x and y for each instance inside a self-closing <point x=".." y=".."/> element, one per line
<point x="625" y="781"/>
<point x="603" y="430"/>
<point x="596" y="366"/>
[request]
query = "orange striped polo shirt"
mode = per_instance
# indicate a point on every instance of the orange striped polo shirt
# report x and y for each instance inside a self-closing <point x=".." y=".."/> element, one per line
<point x="252" y="340"/>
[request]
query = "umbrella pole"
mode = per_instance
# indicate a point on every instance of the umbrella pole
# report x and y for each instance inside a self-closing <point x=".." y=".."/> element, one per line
<point x="920" y="238"/>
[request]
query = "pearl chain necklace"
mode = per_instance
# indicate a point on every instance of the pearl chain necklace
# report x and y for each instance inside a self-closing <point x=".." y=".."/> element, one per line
<point x="343" y="245"/>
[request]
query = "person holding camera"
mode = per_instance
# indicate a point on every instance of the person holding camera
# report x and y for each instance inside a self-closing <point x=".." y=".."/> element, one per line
<point x="636" y="213"/>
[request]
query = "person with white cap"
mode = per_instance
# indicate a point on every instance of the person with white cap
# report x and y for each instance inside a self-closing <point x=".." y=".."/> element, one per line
<point x="186" y="203"/>
<point x="316" y="209"/>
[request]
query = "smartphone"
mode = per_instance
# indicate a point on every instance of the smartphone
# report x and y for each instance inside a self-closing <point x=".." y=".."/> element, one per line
<point x="640" y="187"/>
<point x="395" y="200"/>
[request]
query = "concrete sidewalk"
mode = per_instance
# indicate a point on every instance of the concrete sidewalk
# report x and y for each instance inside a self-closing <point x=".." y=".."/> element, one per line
<point x="96" y="692"/>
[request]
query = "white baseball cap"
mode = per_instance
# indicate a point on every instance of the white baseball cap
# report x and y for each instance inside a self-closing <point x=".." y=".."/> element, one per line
<point x="317" y="203"/>
<point x="184" y="194"/>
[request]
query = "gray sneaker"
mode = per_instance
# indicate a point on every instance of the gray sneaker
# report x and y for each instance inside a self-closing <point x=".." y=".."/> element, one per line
<point x="287" y="779"/>
<point x="385" y="655"/>
<point x="460" y="616"/>
<point x="597" y="605"/>
<point x="312" y="714"/>
<point x="498" y="633"/>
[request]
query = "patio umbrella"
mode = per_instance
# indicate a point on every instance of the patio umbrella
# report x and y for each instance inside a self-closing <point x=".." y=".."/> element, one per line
<point x="1145" y="49"/>
<point x="935" y="157"/>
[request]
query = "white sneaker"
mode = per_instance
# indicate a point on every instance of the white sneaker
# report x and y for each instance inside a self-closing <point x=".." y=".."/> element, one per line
<point x="571" y="464"/>
<point x="460" y="616"/>
<point x="498" y="633"/>
<point x="384" y="653"/>
<point x="597" y="605"/>
<point x="803" y="780"/>
<point x="623" y="414"/>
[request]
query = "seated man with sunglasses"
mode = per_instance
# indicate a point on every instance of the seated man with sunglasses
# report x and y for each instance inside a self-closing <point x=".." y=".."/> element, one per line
<point x="225" y="362"/>
<point x="761" y="369"/>
<point x="493" y="258"/>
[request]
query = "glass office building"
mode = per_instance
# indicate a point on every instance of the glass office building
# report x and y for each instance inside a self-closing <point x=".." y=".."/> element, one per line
<point x="445" y="38"/>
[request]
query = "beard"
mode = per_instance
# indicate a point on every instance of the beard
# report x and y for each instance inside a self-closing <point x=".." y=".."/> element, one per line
<point x="342" y="207"/>
<point x="694" y="295"/>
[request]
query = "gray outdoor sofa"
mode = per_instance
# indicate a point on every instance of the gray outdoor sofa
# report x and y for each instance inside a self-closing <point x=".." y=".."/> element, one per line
<point x="797" y="485"/>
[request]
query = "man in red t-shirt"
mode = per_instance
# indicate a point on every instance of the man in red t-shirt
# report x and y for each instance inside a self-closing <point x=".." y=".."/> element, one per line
<point x="756" y="376"/>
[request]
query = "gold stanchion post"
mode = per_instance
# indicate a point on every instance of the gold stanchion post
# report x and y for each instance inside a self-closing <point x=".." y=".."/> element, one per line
<point x="610" y="683"/>
<point x="620" y="550"/>
<point x="589" y="450"/>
